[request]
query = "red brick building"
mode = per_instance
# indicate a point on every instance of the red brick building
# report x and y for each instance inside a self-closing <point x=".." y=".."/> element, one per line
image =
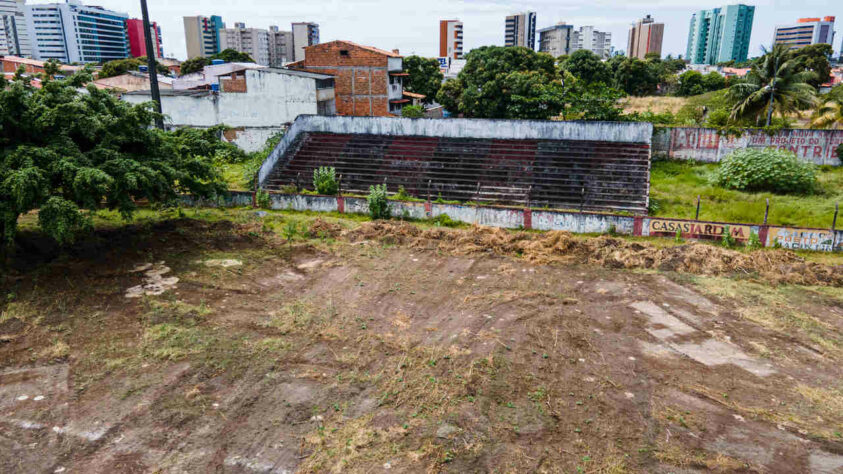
<point x="10" y="64"/>
<point x="367" y="81"/>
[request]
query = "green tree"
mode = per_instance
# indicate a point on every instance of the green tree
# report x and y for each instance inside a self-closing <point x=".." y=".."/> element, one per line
<point x="502" y="82"/>
<point x="118" y="67"/>
<point x="587" y="66"/>
<point x="412" y="111"/>
<point x="690" y="83"/>
<point x="777" y="73"/>
<point x="233" y="56"/>
<point x="424" y="76"/>
<point x="830" y="111"/>
<point x="449" y="95"/>
<point x="228" y="55"/>
<point x="63" y="152"/>
<point x="637" y="77"/>
<point x="713" y="81"/>
<point x="814" y="58"/>
<point x="194" y="65"/>
<point x="590" y="101"/>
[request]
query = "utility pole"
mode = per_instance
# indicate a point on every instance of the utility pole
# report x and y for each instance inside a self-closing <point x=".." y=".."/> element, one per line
<point x="772" y="92"/>
<point x="152" y="64"/>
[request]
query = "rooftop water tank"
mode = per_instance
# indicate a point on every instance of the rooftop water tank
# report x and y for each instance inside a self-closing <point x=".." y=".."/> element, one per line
<point x="217" y="62"/>
<point x="143" y="68"/>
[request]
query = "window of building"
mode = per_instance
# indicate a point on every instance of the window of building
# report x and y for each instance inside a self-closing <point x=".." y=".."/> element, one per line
<point x="343" y="52"/>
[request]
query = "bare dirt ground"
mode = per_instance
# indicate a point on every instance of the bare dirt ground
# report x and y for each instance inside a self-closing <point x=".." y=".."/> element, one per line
<point x="385" y="348"/>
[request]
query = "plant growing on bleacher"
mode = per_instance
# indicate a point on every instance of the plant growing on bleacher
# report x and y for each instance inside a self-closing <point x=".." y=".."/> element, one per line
<point x="262" y="199"/>
<point x="325" y="180"/>
<point x="728" y="240"/>
<point x="777" y="171"/>
<point x="378" y="202"/>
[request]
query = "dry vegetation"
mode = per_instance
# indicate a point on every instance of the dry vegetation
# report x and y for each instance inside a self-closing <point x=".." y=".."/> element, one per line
<point x="364" y="347"/>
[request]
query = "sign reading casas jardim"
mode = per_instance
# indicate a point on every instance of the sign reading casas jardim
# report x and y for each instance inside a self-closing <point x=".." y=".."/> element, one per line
<point x="801" y="239"/>
<point x="700" y="230"/>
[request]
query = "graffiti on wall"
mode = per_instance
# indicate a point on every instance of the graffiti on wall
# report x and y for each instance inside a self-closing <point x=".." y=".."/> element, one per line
<point x="705" y="144"/>
<point x="801" y="239"/>
<point x="698" y="230"/>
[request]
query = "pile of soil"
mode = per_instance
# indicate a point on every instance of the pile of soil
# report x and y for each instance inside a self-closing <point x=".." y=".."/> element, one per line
<point x="778" y="266"/>
<point x="322" y="228"/>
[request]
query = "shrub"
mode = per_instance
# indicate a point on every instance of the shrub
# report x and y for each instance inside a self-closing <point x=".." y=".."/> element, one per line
<point x="754" y="242"/>
<point x="378" y="202"/>
<point x="325" y="180"/>
<point x="728" y="240"/>
<point x="262" y="199"/>
<point x="412" y="111"/>
<point x="444" y="220"/>
<point x="772" y="170"/>
<point x="402" y="195"/>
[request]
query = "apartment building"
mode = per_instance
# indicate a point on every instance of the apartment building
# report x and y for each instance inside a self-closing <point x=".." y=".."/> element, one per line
<point x="598" y="42"/>
<point x="252" y="41"/>
<point x="720" y="34"/>
<point x="137" y="40"/>
<point x="520" y="30"/>
<point x="805" y="32"/>
<point x="14" y="35"/>
<point x="368" y="81"/>
<point x="645" y="37"/>
<point x="202" y="35"/>
<point x="72" y="32"/>
<point x="305" y="34"/>
<point x="450" y="39"/>
<point x="556" y="40"/>
<point x="280" y="47"/>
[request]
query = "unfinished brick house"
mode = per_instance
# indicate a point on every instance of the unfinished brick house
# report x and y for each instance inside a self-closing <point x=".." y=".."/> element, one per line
<point x="367" y="81"/>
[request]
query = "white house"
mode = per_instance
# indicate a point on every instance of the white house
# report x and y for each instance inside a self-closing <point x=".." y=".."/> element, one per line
<point x="256" y="103"/>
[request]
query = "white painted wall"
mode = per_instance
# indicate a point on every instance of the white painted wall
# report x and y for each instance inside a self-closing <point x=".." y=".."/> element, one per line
<point x="271" y="100"/>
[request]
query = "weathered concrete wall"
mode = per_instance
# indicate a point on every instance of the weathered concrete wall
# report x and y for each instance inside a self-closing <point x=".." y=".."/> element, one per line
<point x="623" y="132"/>
<point x="705" y="144"/>
<point x="823" y="240"/>
<point x="251" y="139"/>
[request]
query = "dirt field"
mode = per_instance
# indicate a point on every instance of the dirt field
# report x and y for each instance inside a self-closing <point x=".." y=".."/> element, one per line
<point x="197" y="346"/>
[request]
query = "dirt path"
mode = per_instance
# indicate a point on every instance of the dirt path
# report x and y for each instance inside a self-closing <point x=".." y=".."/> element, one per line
<point x="365" y="356"/>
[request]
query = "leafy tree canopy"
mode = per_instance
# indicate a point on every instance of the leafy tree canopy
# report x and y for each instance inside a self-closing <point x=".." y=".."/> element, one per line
<point x="587" y="66"/>
<point x="637" y="77"/>
<point x="63" y="151"/>
<point x="425" y="76"/>
<point x="122" y="66"/>
<point x="412" y="111"/>
<point x="500" y="82"/>
<point x="814" y="58"/>
<point x="228" y="55"/>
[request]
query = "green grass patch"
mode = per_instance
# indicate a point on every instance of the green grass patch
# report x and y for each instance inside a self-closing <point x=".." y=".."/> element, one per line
<point x="674" y="186"/>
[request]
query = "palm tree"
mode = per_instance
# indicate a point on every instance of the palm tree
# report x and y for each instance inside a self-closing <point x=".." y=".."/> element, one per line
<point x="830" y="112"/>
<point x="777" y="74"/>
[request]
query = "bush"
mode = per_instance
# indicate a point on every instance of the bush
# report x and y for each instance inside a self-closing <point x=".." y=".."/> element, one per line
<point x="262" y="199"/>
<point x="772" y="170"/>
<point x="325" y="180"/>
<point x="412" y="111"/>
<point x="378" y="202"/>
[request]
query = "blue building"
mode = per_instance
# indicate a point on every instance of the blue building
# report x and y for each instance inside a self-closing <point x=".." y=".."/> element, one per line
<point x="720" y="34"/>
<point x="75" y="33"/>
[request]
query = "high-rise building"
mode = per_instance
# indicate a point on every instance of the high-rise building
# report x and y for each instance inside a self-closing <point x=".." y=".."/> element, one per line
<point x="137" y="40"/>
<point x="71" y="32"/>
<point x="598" y="42"/>
<point x="280" y="47"/>
<point x="450" y="39"/>
<point x="645" y="36"/>
<point x="14" y="35"/>
<point x="202" y="35"/>
<point x="304" y="34"/>
<point x="806" y="31"/>
<point x="556" y="40"/>
<point x="252" y="41"/>
<point x="520" y="30"/>
<point x="720" y="34"/>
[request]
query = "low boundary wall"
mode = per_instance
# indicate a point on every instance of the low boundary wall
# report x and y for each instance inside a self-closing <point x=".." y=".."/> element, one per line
<point x="796" y="238"/>
<point x="705" y="144"/>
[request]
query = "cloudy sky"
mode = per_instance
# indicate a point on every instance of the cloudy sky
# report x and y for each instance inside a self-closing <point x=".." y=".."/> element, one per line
<point x="412" y="26"/>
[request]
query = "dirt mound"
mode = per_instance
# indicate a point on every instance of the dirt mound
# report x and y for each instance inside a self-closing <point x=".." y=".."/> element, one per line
<point x="322" y="228"/>
<point x="779" y="266"/>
